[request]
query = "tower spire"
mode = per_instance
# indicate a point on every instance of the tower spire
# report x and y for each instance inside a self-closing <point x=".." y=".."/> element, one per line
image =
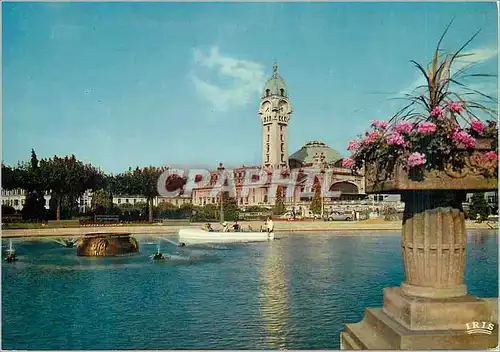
<point x="275" y="67"/>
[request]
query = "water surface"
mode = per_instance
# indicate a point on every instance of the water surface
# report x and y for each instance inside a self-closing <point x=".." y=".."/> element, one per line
<point x="294" y="293"/>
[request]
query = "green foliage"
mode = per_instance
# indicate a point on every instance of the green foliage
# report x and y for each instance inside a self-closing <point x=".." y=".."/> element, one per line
<point x="316" y="201"/>
<point x="167" y="210"/>
<point x="101" y="201"/>
<point x="279" y="206"/>
<point x="256" y="209"/>
<point x="231" y="209"/>
<point x="208" y="212"/>
<point x="186" y="210"/>
<point x="68" y="179"/>
<point x="138" y="182"/>
<point x="8" y="178"/>
<point x="8" y="210"/>
<point x="478" y="206"/>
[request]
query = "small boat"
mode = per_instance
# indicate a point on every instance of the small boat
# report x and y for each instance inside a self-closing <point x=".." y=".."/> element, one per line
<point x="201" y="236"/>
<point x="11" y="254"/>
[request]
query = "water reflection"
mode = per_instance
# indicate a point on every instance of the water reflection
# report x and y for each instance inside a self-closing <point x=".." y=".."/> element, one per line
<point x="274" y="299"/>
<point x="479" y="237"/>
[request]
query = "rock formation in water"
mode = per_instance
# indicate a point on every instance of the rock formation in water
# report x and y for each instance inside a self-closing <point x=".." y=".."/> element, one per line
<point x="106" y="245"/>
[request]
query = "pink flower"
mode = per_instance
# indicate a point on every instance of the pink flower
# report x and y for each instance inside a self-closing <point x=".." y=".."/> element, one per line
<point x="353" y="145"/>
<point x="437" y="112"/>
<point x="403" y="126"/>
<point x="492" y="156"/>
<point x="416" y="159"/>
<point x="455" y="107"/>
<point x="347" y="162"/>
<point x="477" y="126"/>
<point x="395" y="139"/>
<point x="426" y="127"/>
<point x="463" y="138"/>
<point x="380" y="124"/>
<point x="371" y="137"/>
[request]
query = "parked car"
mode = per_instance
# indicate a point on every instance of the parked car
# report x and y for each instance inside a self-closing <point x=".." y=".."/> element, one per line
<point x="289" y="216"/>
<point x="337" y="216"/>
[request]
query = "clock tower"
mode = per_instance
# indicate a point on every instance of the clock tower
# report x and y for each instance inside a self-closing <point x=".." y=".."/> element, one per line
<point x="274" y="111"/>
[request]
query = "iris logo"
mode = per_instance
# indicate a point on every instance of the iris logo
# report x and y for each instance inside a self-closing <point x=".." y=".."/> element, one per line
<point x="480" y="327"/>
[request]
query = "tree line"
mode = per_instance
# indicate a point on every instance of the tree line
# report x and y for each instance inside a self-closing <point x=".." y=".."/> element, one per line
<point x="66" y="179"/>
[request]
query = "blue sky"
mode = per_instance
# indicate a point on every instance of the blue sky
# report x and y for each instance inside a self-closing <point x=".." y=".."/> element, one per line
<point x="136" y="84"/>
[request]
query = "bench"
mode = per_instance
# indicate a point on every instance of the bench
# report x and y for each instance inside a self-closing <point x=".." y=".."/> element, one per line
<point x="106" y="218"/>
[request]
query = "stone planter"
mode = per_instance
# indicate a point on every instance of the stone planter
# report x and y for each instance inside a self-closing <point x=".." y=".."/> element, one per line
<point x="431" y="308"/>
<point x="106" y="245"/>
<point x="434" y="236"/>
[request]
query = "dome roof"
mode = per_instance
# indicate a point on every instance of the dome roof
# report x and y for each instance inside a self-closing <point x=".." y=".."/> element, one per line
<point x="314" y="152"/>
<point x="275" y="85"/>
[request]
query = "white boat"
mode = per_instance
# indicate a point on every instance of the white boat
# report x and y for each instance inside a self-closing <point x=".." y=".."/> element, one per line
<point x="201" y="236"/>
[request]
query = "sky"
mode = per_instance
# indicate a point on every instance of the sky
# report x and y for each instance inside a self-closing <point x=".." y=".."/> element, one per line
<point x="122" y="85"/>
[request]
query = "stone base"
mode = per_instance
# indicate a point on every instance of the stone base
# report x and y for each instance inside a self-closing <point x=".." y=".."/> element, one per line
<point x="432" y="292"/>
<point x="410" y="323"/>
<point x="417" y="313"/>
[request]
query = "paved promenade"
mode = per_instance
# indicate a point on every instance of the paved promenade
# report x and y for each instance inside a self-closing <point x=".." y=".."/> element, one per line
<point x="335" y="227"/>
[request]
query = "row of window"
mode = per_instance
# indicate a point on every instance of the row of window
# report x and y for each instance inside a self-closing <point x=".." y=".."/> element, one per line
<point x="282" y="92"/>
<point x="13" y="202"/>
<point x="13" y="192"/>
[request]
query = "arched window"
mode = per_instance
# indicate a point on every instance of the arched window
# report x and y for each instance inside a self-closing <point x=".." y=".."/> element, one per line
<point x="282" y="91"/>
<point x="344" y="187"/>
<point x="268" y="92"/>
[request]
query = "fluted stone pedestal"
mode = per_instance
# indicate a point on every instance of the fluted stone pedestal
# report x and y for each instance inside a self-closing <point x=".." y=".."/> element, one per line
<point x="431" y="309"/>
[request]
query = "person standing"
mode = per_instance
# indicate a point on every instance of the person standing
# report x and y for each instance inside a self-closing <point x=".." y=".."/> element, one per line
<point x="270" y="225"/>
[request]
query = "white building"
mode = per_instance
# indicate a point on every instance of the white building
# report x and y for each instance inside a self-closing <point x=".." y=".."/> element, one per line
<point x="16" y="198"/>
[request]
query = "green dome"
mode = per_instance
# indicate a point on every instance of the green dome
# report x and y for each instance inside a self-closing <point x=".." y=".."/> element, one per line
<point x="316" y="150"/>
<point x="275" y="85"/>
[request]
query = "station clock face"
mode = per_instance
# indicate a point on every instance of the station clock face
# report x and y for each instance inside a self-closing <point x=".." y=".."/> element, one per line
<point x="265" y="108"/>
<point x="266" y="112"/>
<point x="283" y="107"/>
<point x="283" y="111"/>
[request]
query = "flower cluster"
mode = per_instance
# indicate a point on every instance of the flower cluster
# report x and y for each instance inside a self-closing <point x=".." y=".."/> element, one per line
<point x="426" y="127"/>
<point x="395" y="139"/>
<point x="431" y="142"/>
<point x="463" y="138"/>
<point x="380" y="125"/>
<point x="416" y="159"/>
<point x="403" y="127"/>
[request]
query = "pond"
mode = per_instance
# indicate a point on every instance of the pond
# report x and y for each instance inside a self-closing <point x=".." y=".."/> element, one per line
<point x="293" y="293"/>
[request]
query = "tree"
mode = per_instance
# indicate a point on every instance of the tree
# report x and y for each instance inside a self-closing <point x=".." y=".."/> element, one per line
<point x="9" y="177"/>
<point x="101" y="201"/>
<point x="28" y="177"/>
<point x="231" y="209"/>
<point x="186" y="210"/>
<point x="479" y="206"/>
<point x="8" y="210"/>
<point x="142" y="182"/>
<point x="146" y="181"/>
<point x="279" y="205"/>
<point x="167" y="210"/>
<point x="316" y="201"/>
<point x="68" y="178"/>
